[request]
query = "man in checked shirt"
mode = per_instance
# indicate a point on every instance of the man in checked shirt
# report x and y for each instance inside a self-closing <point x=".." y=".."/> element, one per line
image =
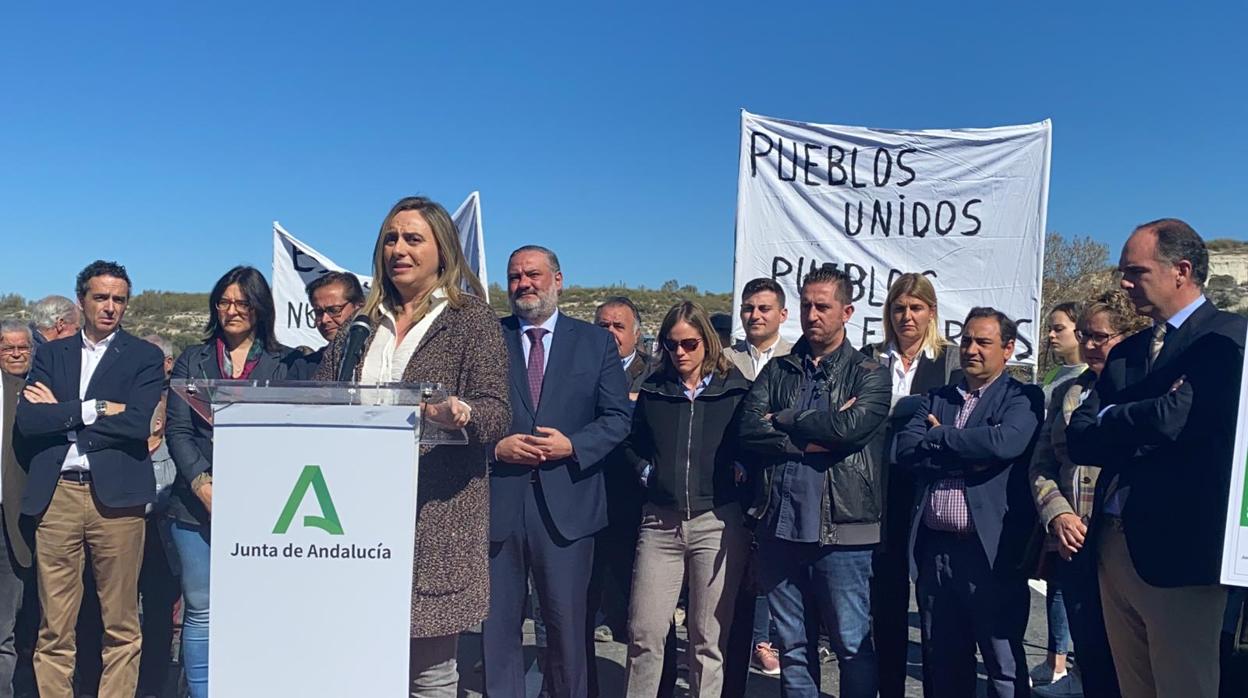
<point x="969" y="444"/>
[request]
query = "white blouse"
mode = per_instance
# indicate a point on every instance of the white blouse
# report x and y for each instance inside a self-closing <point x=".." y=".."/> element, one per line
<point x="387" y="359"/>
<point x="903" y="378"/>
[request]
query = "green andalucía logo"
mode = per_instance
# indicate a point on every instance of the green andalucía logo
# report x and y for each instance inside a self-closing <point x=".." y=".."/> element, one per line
<point x="328" y="520"/>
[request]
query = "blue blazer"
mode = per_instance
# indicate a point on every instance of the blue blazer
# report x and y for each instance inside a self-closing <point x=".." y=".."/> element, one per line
<point x="1173" y="448"/>
<point x="991" y="452"/>
<point x="585" y="396"/>
<point x="132" y="373"/>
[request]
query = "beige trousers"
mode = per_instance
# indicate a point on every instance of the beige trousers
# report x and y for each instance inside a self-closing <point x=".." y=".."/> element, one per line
<point x="710" y="550"/>
<point x="1164" y="640"/>
<point x="74" y="523"/>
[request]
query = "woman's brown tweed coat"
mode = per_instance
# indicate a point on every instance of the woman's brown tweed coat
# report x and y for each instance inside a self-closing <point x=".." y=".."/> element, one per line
<point x="464" y="351"/>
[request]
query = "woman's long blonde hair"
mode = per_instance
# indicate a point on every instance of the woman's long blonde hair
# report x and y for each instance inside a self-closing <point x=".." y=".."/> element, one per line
<point x="454" y="275"/>
<point x="918" y="286"/>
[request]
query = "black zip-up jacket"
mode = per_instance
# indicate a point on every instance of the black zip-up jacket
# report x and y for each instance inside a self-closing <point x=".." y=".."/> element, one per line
<point x="854" y="437"/>
<point x="691" y="444"/>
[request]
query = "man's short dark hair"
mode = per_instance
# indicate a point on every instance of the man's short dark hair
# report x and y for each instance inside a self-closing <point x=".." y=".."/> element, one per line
<point x="829" y="274"/>
<point x="352" y="291"/>
<point x="622" y="301"/>
<point x="551" y="258"/>
<point x="100" y="268"/>
<point x="1176" y="241"/>
<point x="762" y="284"/>
<point x="1009" y="330"/>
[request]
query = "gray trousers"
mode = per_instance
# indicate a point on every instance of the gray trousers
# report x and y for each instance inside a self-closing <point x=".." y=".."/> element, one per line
<point x="709" y="549"/>
<point x="433" y="670"/>
<point x="10" y="603"/>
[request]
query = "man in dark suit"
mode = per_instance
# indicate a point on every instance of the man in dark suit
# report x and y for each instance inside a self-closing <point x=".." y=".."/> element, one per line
<point x="614" y="545"/>
<point x="969" y="444"/>
<point x="83" y="419"/>
<point x="570" y="408"/>
<point x="1161" y="422"/>
<point x="15" y="557"/>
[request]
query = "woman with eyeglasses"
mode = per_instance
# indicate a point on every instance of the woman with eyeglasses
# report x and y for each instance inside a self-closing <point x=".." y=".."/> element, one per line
<point x="240" y="344"/>
<point x="1063" y="493"/>
<point x="683" y="446"/>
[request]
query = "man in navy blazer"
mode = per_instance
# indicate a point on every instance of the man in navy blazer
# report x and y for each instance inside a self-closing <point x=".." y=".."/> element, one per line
<point x="969" y="444"/>
<point x="1161" y="422"/>
<point x="570" y="408"/>
<point x="83" y="421"/>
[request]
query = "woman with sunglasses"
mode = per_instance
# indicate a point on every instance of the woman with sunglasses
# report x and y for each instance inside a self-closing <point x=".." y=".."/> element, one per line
<point x="683" y="445"/>
<point x="239" y="344"/>
<point x="1063" y="493"/>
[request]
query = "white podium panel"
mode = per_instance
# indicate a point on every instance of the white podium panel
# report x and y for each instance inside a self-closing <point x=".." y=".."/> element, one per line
<point x="1235" y="545"/>
<point x="313" y="523"/>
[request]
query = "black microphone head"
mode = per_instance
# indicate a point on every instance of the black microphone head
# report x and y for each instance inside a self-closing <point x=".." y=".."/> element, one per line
<point x="357" y="334"/>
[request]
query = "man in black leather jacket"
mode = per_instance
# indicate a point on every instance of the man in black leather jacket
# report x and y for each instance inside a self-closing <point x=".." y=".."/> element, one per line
<point x="815" y="420"/>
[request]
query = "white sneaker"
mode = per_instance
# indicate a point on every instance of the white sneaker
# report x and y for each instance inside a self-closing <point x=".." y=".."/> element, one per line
<point x="1043" y="674"/>
<point x="1067" y="686"/>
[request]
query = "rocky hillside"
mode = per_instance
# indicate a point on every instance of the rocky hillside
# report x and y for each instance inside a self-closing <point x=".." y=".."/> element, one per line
<point x="1228" y="274"/>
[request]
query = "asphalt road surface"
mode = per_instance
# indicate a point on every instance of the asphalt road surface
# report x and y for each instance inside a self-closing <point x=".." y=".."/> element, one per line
<point x="611" y="661"/>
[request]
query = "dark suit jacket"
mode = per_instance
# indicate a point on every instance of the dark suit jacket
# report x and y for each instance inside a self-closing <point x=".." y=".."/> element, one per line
<point x="1173" y="449"/>
<point x="991" y="452"/>
<point x="303" y="368"/>
<point x="898" y="481"/>
<point x="585" y="396"/>
<point x="14" y="478"/>
<point x="132" y="373"/>
<point x="190" y="437"/>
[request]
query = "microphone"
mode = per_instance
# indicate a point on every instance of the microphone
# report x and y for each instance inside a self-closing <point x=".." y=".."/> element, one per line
<point x="357" y="334"/>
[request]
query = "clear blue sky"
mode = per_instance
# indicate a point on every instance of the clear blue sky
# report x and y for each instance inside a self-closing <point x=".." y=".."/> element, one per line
<point x="169" y="135"/>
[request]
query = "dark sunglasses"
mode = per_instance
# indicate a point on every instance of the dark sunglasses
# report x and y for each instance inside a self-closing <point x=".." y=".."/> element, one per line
<point x="686" y="344"/>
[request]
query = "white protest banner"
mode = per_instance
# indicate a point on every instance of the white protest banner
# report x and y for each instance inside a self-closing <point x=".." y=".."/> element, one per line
<point x="313" y="523"/>
<point x="966" y="207"/>
<point x="1235" y="544"/>
<point x="296" y="264"/>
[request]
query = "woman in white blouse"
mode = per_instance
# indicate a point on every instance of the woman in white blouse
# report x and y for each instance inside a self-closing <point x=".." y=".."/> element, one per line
<point x="919" y="358"/>
<point x="431" y="324"/>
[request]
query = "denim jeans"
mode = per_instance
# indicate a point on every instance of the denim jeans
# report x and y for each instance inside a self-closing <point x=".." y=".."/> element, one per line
<point x="763" y="632"/>
<point x="807" y="584"/>
<point x="191" y="542"/>
<point x="1059" y="626"/>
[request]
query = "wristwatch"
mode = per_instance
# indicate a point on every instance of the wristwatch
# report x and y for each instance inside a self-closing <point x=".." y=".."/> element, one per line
<point x="101" y="407"/>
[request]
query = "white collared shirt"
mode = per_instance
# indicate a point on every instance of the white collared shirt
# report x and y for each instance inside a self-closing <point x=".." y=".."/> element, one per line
<point x="92" y="354"/>
<point x="525" y="342"/>
<point x="628" y="360"/>
<point x="760" y="357"/>
<point x="903" y="378"/>
<point x="387" y="359"/>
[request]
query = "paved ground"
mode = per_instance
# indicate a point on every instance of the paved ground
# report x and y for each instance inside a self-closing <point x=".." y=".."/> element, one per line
<point x="611" y="662"/>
